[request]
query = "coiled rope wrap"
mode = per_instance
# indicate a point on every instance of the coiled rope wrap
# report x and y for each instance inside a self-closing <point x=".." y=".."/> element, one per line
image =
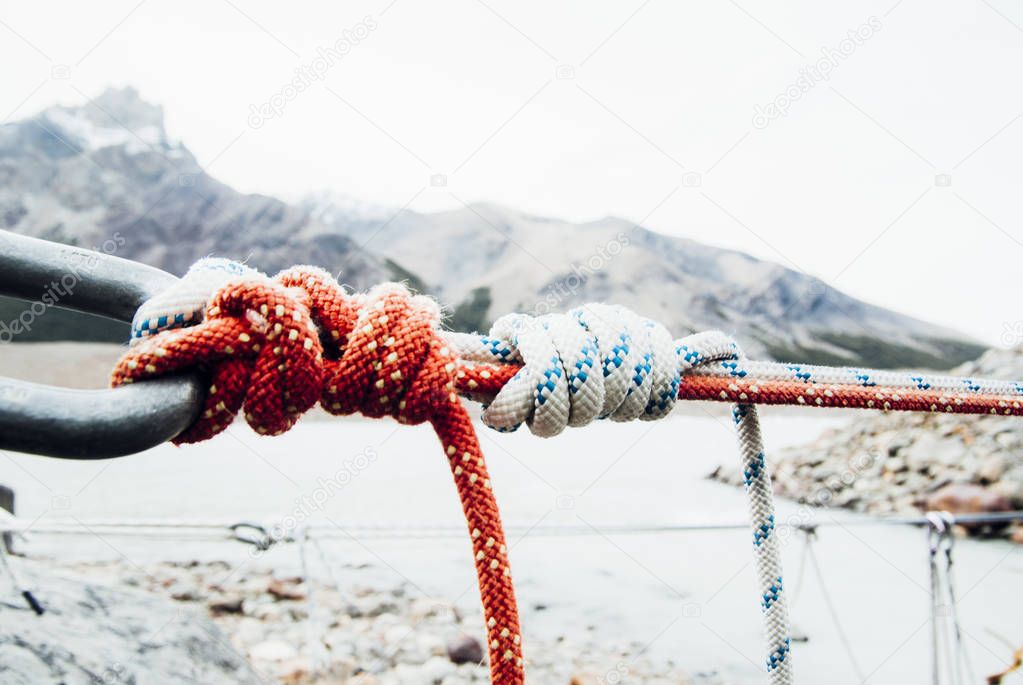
<point x="279" y="345"/>
<point x="595" y="362"/>
<point x="263" y="343"/>
<point x="600" y="361"/>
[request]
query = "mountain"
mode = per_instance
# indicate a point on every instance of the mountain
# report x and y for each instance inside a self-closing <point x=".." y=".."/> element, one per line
<point x="81" y="175"/>
<point x="84" y="174"/>
<point x="486" y="260"/>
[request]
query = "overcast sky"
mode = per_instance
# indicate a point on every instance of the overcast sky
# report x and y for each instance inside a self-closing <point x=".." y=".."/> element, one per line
<point x="892" y="169"/>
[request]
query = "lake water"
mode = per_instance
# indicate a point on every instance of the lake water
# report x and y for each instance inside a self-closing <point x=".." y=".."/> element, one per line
<point x="688" y="597"/>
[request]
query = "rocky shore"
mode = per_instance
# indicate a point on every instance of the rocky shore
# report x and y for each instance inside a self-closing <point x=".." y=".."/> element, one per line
<point x="76" y="631"/>
<point x="296" y="632"/>
<point x="903" y="463"/>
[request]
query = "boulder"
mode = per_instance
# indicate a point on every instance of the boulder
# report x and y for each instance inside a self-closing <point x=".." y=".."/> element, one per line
<point x="465" y="650"/>
<point x="91" y="633"/>
<point x="231" y="604"/>
<point x="964" y="498"/>
<point x="991" y="468"/>
<point x="272" y="650"/>
<point x="288" y="589"/>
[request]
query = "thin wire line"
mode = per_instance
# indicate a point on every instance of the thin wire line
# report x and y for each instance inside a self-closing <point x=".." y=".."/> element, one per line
<point x="843" y="638"/>
<point x="151" y="527"/>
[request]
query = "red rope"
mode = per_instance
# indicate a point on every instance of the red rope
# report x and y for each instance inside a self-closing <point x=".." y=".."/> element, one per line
<point x="847" y="396"/>
<point x="259" y="342"/>
<point x="485" y="380"/>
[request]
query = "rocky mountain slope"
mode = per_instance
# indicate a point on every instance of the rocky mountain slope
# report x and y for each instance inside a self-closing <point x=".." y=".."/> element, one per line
<point x="82" y="175"/>
<point x="487" y="259"/>
<point x="902" y="463"/>
<point x="87" y="175"/>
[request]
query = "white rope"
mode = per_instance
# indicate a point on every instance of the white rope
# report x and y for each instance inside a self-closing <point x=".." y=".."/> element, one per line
<point x="811" y="374"/>
<point x="597" y="361"/>
<point x="628" y="366"/>
<point x="183" y="303"/>
<point x="766" y="550"/>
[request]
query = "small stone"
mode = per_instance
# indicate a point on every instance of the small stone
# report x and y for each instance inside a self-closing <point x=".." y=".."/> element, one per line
<point x="272" y="650"/>
<point x="249" y="630"/>
<point x="1011" y="489"/>
<point x="436" y="669"/>
<point x="895" y="465"/>
<point x="430" y="644"/>
<point x="1006" y="439"/>
<point x="372" y="606"/>
<point x="962" y="498"/>
<point x="398" y="634"/>
<point x="187" y="595"/>
<point x="231" y="604"/>
<point x="991" y="468"/>
<point x="465" y="650"/>
<point x="264" y="611"/>
<point x="343" y="669"/>
<point x="289" y="589"/>
<point x="295" y="671"/>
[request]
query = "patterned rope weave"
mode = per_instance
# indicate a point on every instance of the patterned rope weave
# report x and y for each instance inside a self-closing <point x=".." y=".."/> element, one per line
<point x="260" y="340"/>
<point x="717" y="384"/>
<point x="822" y="386"/>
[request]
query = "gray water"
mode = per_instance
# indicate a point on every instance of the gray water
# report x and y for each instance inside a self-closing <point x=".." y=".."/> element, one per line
<point x="688" y="597"/>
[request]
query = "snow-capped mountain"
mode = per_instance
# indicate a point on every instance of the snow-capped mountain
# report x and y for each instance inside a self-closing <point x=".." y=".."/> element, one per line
<point x="82" y="174"/>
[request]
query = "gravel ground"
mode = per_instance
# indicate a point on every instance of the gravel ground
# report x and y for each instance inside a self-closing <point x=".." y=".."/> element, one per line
<point x="302" y="633"/>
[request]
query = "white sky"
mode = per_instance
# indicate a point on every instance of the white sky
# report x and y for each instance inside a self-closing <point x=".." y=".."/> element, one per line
<point x="843" y="186"/>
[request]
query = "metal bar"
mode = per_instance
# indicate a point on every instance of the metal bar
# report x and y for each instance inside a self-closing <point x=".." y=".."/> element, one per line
<point x="81" y="279"/>
<point x="88" y="424"/>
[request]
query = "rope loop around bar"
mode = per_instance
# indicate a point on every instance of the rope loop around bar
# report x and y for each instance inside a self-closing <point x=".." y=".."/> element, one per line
<point x="274" y="347"/>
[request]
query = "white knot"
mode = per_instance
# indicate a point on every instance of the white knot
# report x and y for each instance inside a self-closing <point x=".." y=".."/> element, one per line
<point x="183" y="304"/>
<point x="596" y="361"/>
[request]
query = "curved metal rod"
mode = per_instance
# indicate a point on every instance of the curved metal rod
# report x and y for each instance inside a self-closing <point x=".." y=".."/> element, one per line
<point x="87" y="424"/>
<point x="95" y="424"/>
